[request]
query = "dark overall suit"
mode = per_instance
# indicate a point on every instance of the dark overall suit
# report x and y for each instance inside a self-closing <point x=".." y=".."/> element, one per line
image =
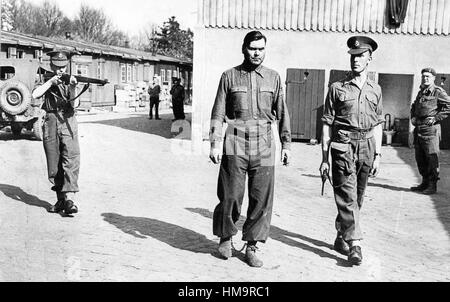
<point x="249" y="101"/>
<point x="61" y="144"/>
<point x="154" y="100"/>
<point x="430" y="102"/>
<point x="352" y="113"/>
<point x="177" y="93"/>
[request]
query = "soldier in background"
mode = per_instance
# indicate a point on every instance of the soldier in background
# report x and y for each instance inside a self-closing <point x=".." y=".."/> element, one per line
<point x="178" y="95"/>
<point x="154" y="90"/>
<point x="60" y="133"/>
<point x="430" y="107"/>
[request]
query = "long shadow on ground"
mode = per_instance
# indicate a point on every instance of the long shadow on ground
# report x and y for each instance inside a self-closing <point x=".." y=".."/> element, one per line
<point x="18" y="194"/>
<point x="441" y="198"/>
<point x="165" y="127"/>
<point x="286" y="238"/>
<point x="171" y="234"/>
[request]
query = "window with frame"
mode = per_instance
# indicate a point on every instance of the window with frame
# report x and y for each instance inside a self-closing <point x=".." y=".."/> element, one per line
<point x="99" y="70"/>
<point x="123" y="73"/>
<point x="163" y="75"/>
<point x="128" y="73"/>
<point x="134" y="73"/>
<point x="81" y="69"/>
<point x="169" y="75"/>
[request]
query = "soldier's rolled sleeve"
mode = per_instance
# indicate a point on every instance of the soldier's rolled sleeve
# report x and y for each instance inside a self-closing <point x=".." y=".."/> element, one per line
<point x="328" y="110"/>
<point x="444" y="106"/>
<point x="218" y="112"/>
<point x="284" y="125"/>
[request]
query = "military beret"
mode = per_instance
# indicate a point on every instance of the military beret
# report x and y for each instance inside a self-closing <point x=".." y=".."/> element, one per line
<point x="430" y="70"/>
<point x="360" y="44"/>
<point x="59" y="58"/>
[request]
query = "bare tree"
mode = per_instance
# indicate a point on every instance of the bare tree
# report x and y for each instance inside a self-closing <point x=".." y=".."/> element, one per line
<point x="93" y="25"/>
<point x="146" y="39"/>
<point x="51" y="17"/>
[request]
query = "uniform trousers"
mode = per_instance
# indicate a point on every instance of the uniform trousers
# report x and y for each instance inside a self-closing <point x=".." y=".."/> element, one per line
<point x="351" y="165"/>
<point x="426" y="145"/>
<point x="62" y="150"/>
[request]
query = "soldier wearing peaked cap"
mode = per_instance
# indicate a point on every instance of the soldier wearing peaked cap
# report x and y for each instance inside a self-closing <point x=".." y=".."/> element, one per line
<point x="60" y="131"/>
<point x="352" y="133"/>
<point x="430" y="107"/>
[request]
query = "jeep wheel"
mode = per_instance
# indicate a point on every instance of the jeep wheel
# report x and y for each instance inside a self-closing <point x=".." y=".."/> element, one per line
<point x="37" y="126"/>
<point x="14" y="97"/>
<point x="16" y="129"/>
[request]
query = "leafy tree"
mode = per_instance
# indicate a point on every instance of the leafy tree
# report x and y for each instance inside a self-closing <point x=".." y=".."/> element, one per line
<point x="173" y="41"/>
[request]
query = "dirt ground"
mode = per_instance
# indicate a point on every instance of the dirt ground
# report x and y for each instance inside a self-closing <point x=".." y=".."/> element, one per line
<point x="146" y="204"/>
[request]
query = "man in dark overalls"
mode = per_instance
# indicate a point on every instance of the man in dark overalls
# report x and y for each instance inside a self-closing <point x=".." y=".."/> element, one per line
<point x="430" y="107"/>
<point x="250" y="100"/>
<point x="352" y="130"/>
<point x="61" y="133"/>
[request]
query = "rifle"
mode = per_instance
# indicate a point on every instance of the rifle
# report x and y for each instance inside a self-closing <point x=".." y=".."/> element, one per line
<point x="65" y="78"/>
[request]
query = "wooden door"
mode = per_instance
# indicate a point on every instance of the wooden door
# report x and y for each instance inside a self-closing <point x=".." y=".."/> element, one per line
<point x="305" y="98"/>
<point x="443" y="80"/>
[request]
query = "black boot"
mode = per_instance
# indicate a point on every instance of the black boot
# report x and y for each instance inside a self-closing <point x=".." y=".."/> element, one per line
<point x="422" y="186"/>
<point x="431" y="188"/>
<point x="58" y="207"/>
<point x="70" y="208"/>
<point x="341" y="246"/>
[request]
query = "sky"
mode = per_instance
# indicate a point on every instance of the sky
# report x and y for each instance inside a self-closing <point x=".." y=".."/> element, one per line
<point x="131" y="16"/>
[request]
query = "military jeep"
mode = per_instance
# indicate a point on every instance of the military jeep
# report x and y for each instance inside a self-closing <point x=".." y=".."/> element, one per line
<point x="17" y="107"/>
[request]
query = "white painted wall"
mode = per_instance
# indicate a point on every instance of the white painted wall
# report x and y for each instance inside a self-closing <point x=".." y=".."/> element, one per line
<point x="216" y="50"/>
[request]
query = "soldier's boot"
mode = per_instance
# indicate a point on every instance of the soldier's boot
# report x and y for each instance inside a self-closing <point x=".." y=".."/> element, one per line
<point x="431" y="188"/>
<point x="60" y="204"/>
<point x="57" y="207"/>
<point x="341" y="246"/>
<point x="355" y="254"/>
<point x="225" y="247"/>
<point x="70" y="207"/>
<point x="250" y="255"/>
<point x="421" y="187"/>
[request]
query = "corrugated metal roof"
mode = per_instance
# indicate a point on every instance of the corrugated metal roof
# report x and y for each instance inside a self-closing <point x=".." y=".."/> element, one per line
<point x="430" y="17"/>
<point x="81" y="46"/>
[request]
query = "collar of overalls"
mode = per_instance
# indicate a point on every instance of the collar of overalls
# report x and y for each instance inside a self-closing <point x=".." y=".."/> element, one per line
<point x="247" y="67"/>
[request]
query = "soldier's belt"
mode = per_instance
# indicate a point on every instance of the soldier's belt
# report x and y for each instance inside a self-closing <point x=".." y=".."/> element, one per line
<point x="354" y="134"/>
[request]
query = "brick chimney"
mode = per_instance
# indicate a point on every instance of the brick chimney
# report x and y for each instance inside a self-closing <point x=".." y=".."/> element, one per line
<point x="68" y="35"/>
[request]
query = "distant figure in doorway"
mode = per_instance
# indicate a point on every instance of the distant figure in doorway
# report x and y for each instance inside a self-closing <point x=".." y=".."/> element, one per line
<point x="154" y="90"/>
<point x="178" y="95"/>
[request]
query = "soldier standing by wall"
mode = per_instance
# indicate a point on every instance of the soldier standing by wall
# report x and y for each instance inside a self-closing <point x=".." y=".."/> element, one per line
<point x="352" y="129"/>
<point x="430" y="107"/>
<point x="60" y="133"/>
<point x="249" y="99"/>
